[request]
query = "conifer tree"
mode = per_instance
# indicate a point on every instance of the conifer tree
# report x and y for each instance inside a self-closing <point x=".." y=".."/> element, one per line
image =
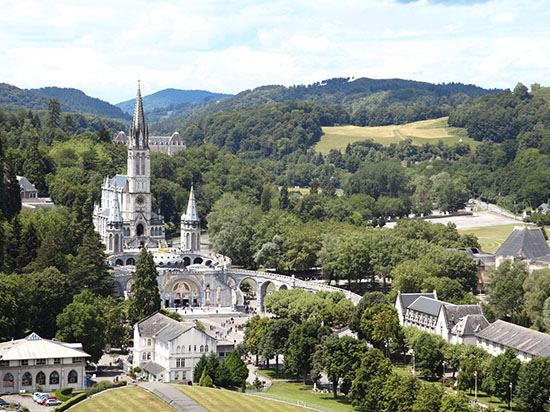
<point x="89" y="269"/>
<point x="28" y="246"/>
<point x="283" y="197"/>
<point x="145" y="292"/>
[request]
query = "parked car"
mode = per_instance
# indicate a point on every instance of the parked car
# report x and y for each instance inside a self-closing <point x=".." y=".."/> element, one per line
<point x="42" y="401"/>
<point x="37" y="395"/>
<point x="3" y="403"/>
<point x="52" y="402"/>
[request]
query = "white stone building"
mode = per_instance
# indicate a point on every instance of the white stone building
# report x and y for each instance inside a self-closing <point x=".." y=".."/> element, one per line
<point x="527" y="343"/>
<point x="124" y="218"/>
<point x="31" y="361"/>
<point x="168" y="350"/>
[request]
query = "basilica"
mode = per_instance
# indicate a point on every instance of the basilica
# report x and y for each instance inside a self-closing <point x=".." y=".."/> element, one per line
<point x="124" y="218"/>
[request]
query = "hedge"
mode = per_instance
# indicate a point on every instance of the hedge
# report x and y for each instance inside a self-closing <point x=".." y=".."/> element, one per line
<point x="73" y="401"/>
<point x="63" y="394"/>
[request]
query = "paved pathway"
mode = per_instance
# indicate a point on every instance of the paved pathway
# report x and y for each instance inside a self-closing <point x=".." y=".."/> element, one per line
<point x="173" y="397"/>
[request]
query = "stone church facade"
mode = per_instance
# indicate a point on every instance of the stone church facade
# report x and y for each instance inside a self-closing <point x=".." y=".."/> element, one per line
<point x="124" y="217"/>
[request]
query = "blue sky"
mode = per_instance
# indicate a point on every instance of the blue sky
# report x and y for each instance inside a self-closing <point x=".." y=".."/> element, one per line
<point x="102" y="47"/>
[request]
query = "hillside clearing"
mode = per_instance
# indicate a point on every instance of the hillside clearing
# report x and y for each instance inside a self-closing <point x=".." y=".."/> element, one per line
<point x="425" y="131"/>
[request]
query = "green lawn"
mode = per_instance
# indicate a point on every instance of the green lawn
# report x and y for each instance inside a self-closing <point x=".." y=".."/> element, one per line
<point x="425" y="131"/>
<point x="216" y="400"/>
<point x="127" y="399"/>
<point x="491" y="237"/>
<point x="296" y="391"/>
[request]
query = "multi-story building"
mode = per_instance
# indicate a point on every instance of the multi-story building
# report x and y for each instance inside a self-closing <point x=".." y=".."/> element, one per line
<point x="31" y="361"/>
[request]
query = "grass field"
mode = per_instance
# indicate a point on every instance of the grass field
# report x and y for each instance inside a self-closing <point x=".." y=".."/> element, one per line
<point x="296" y="391"/>
<point x="491" y="237"/>
<point x="216" y="400"/>
<point x="425" y="131"/>
<point x="128" y="399"/>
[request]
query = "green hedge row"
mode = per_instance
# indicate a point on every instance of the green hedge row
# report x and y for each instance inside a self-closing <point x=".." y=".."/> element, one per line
<point x="63" y="394"/>
<point x="73" y="401"/>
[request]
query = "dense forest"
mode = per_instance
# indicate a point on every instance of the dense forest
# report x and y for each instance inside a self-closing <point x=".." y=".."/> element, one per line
<point x="367" y="101"/>
<point x="72" y="100"/>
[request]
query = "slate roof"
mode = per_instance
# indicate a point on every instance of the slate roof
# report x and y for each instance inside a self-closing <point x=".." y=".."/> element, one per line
<point x="191" y="214"/>
<point x="408" y="298"/>
<point x="153" y="368"/>
<point x="162" y="327"/>
<point x="26" y="184"/>
<point x="524" y="242"/>
<point x="118" y="180"/>
<point x="455" y="312"/>
<point x="34" y="347"/>
<point x="517" y="337"/>
<point x="469" y="325"/>
<point x="427" y="305"/>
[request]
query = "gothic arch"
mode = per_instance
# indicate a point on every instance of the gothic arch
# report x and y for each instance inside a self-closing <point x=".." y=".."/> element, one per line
<point x="54" y="378"/>
<point x="72" y="377"/>
<point x="40" y="378"/>
<point x="283" y="287"/>
<point x="140" y="230"/>
<point x="27" y="379"/>
<point x="7" y="381"/>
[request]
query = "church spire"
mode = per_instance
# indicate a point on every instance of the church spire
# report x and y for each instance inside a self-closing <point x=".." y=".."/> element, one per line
<point x="192" y="214"/>
<point x="139" y="133"/>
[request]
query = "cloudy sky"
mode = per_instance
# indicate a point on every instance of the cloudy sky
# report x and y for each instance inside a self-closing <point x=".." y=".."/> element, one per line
<point x="103" y="46"/>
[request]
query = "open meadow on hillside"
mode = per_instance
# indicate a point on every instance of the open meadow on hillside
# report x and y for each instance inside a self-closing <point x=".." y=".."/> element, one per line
<point x="425" y="131"/>
<point x="216" y="400"/>
<point x="128" y="399"/>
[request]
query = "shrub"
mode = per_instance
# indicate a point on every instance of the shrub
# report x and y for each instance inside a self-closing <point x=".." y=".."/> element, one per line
<point x="73" y="401"/>
<point x="99" y="387"/>
<point x="63" y="394"/>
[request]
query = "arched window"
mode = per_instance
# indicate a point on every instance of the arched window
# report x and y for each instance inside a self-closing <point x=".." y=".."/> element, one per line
<point x="144" y="356"/>
<point x="148" y="355"/>
<point x="116" y="244"/>
<point x="178" y="349"/>
<point x="189" y="348"/>
<point x="119" y="262"/>
<point x="202" y="348"/>
<point x="139" y="230"/>
<point x="187" y="241"/>
<point x="143" y="165"/>
<point x="54" y="378"/>
<point x="40" y="378"/>
<point x="131" y="262"/>
<point x="194" y="348"/>
<point x="206" y="348"/>
<point x="111" y="241"/>
<point x="27" y="379"/>
<point x="193" y="241"/>
<point x="7" y="382"/>
<point x="148" y="341"/>
<point x="137" y="166"/>
<point x="73" y="377"/>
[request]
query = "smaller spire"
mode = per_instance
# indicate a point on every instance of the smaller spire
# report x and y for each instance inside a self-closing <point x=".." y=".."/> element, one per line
<point x="115" y="215"/>
<point x="139" y="134"/>
<point x="192" y="214"/>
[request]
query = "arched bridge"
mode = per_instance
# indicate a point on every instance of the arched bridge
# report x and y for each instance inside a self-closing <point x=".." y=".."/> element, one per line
<point x="219" y="287"/>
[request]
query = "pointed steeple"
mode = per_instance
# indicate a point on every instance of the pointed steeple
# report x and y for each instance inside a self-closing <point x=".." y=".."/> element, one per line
<point x="115" y="216"/>
<point x="139" y="133"/>
<point x="192" y="214"/>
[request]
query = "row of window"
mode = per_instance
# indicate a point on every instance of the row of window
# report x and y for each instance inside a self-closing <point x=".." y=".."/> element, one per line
<point x="40" y="379"/>
<point x="202" y="348"/>
<point x="25" y="362"/>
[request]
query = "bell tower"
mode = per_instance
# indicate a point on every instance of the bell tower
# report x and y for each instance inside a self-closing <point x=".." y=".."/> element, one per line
<point x="138" y="202"/>
<point x="190" y="226"/>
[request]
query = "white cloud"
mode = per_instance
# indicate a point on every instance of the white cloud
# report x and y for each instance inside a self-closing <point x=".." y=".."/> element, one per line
<point x="102" y="46"/>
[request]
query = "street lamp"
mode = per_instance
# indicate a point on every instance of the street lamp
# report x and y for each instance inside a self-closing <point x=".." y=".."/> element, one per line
<point x="475" y="377"/>
<point x="511" y="388"/>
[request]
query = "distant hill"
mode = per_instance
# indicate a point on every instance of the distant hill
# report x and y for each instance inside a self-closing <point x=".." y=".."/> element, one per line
<point x="72" y="100"/>
<point x="171" y="97"/>
<point x="79" y="101"/>
<point x="369" y="101"/>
